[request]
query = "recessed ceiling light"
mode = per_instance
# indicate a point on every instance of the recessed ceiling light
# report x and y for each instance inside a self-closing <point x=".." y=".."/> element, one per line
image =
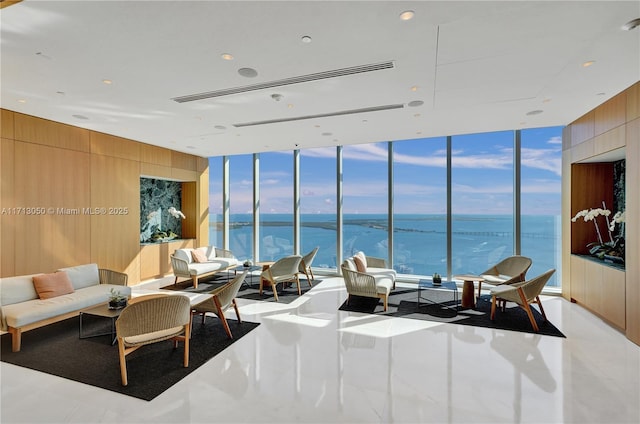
<point x="22" y="101"/>
<point x="226" y="56"/>
<point x="414" y="88"/>
<point x="80" y="116"/>
<point x="365" y="120"/>
<point x="220" y="127"/>
<point x="631" y="24"/>
<point x="107" y="81"/>
<point x="534" y="112"/>
<point x="546" y="100"/>
<point x="327" y="134"/>
<point x="600" y="94"/>
<point x="588" y="63"/>
<point x="418" y="132"/>
<point x="60" y="92"/>
<point x="290" y="106"/>
<point x="416" y="103"/>
<point x="248" y="72"/>
<point x="317" y="126"/>
<point x="306" y="39"/>
<point x="416" y="115"/>
<point x="190" y="147"/>
<point x="407" y="15"/>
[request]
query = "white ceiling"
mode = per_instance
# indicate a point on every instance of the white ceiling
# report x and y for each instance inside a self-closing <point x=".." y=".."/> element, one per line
<point x="478" y="66"/>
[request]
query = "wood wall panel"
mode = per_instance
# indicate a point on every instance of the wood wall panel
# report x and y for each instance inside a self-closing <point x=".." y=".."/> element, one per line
<point x="610" y="140"/>
<point x="583" y="128"/>
<point x="183" y="174"/>
<point x="109" y="145"/>
<point x="578" y="278"/>
<point x="61" y="236"/>
<point x="6" y="124"/>
<point x="189" y="192"/>
<point x="183" y="161"/>
<point x="632" y="228"/>
<point x="155" y="155"/>
<point x="633" y="102"/>
<point x="115" y="242"/>
<point x="611" y="114"/>
<point x="54" y="134"/>
<point x="155" y="171"/>
<point x="7" y="221"/>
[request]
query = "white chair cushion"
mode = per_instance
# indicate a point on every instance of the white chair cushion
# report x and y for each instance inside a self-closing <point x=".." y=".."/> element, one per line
<point x="384" y="284"/>
<point x="184" y="254"/>
<point x="17" y="289"/>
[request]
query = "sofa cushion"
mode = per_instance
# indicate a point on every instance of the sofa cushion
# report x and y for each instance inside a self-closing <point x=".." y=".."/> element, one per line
<point x="82" y="276"/>
<point x="199" y="256"/>
<point x="362" y="258"/>
<point x="52" y="285"/>
<point x="17" y="289"/>
<point x="24" y="313"/>
<point x="209" y="252"/>
<point x="384" y="284"/>
<point x="184" y="254"/>
<point x="216" y="265"/>
<point x="349" y="264"/>
<point x="361" y="265"/>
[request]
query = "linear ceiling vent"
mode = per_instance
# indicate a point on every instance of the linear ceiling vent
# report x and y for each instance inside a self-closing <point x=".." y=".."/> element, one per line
<point x="287" y="81"/>
<point x="322" y="115"/>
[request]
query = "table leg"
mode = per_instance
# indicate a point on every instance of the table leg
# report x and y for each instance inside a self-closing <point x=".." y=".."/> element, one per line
<point x="468" y="295"/>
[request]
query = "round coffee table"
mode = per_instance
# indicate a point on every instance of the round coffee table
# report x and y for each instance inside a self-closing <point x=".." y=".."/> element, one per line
<point x="468" y="289"/>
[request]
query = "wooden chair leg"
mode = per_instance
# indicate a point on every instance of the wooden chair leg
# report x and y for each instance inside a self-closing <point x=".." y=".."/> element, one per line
<point x="187" y="331"/>
<point x="275" y="289"/>
<point x="493" y="307"/>
<point x="175" y="281"/>
<point x="312" y="276"/>
<point x="541" y="308"/>
<point x="526" y="307"/>
<point x="235" y="307"/>
<point x="385" y="302"/>
<point x="220" y="314"/>
<point x="298" y="283"/>
<point x="479" y="289"/>
<point x="123" y="362"/>
<point x="195" y="281"/>
<point x="307" y="274"/>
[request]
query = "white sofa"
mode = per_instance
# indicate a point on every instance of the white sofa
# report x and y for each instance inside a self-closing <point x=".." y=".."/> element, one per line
<point x="22" y="309"/>
<point x="373" y="279"/>
<point x="184" y="265"/>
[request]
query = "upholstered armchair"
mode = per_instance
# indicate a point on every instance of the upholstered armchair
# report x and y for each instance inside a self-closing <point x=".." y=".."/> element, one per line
<point x="522" y="293"/>
<point x="283" y="270"/>
<point x="150" y="320"/>
<point x="222" y="299"/>
<point x="305" y="264"/>
<point x="367" y="285"/>
<point x="512" y="269"/>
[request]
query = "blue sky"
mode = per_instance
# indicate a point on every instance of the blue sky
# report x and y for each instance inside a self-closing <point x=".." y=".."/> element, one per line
<point x="482" y="176"/>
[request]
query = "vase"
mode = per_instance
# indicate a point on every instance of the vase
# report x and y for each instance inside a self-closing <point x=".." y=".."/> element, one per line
<point x="117" y="304"/>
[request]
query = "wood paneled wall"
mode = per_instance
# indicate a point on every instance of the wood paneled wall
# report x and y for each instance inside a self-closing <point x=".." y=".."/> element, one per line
<point x="84" y="188"/>
<point x="612" y="125"/>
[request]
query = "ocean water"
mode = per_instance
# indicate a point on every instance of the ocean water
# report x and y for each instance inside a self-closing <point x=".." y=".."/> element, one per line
<point x="420" y="241"/>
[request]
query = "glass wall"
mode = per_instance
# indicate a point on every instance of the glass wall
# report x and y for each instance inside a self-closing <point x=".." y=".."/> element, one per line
<point x="483" y="229"/>
<point x="241" y="206"/>
<point x="420" y="206"/>
<point x="482" y="200"/>
<point x="318" y="205"/>
<point x="365" y="199"/>
<point x="276" y="205"/>
<point x="541" y="158"/>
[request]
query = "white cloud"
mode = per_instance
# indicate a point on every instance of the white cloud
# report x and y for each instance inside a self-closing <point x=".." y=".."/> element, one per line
<point x="555" y="140"/>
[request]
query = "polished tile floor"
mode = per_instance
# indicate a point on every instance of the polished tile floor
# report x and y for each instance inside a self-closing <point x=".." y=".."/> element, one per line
<point x="310" y="363"/>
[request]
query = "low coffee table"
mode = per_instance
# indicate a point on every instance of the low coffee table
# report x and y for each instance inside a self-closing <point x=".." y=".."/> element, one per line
<point x="427" y="285"/>
<point x="468" y="290"/>
<point x="249" y="277"/>
<point x="104" y="312"/>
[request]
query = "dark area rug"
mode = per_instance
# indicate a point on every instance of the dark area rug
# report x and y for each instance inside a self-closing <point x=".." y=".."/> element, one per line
<point x="152" y="369"/>
<point x="404" y="303"/>
<point x="249" y="290"/>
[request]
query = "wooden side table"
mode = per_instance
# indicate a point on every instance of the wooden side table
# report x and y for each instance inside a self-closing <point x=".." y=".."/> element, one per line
<point x="468" y="289"/>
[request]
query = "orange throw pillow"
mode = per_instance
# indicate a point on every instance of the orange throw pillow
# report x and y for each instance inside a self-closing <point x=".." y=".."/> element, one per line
<point x="199" y="256"/>
<point x="52" y="285"/>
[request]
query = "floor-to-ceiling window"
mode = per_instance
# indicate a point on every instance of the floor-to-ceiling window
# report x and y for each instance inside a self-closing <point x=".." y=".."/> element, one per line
<point x="365" y="199"/>
<point x="541" y="158"/>
<point x="482" y="200"/>
<point x="276" y="205"/>
<point x="318" y="205"/>
<point x="241" y="206"/>
<point x="420" y="206"/>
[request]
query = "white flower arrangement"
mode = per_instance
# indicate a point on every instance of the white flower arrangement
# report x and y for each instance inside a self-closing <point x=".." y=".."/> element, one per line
<point x="618" y="218"/>
<point x="591" y="215"/>
<point x="176" y="213"/>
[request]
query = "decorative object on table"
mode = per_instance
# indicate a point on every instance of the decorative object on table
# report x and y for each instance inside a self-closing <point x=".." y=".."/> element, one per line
<point x="117" y="300"/>
<point x="437" y="279"/>
<point x="612" y="250"/>
<point x="247" y="263"/>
